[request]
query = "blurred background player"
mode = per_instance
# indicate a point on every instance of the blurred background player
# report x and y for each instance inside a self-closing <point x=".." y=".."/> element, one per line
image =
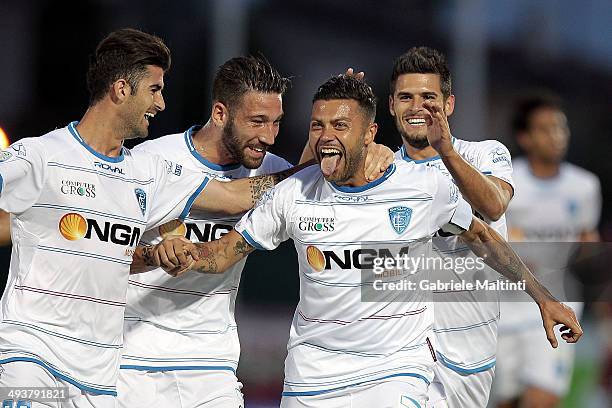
<point x="555" y="202"/>
<point x="465" y="323"/>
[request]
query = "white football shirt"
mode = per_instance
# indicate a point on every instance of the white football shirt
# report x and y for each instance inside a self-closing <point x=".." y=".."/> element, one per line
<point x="466" y="322"/>
<point x="76" y="218"/>
<point x="338" y="338"/>
<point x="549" y="211"/>
<point x="187" y="323"/>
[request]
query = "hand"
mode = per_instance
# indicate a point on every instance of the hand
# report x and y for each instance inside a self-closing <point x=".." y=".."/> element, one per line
<point x="174" y="254"/>
<point x="555" y="313"/>
<point x="438" y="129"/>
<point x="360" y="75"/>
<point x="378" y="158"/>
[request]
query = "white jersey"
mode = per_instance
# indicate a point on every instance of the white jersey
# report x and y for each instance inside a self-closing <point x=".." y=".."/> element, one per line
<point x="76" y="218"/>
<point x="465" y="323"/>
<point x="337" y="340"/>
<point x="550" y="211"/>
<point x="188" y="322"/>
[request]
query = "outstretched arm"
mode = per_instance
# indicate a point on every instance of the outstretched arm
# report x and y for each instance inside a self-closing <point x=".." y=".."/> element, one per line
<point x="497" y="253"/>
<point x="238" y="196"/>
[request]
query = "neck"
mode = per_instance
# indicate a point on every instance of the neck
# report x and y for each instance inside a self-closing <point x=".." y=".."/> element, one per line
<point x="543" y="169"/>
<point x="208" y="142"/>
<point x="358" y="179"/>
<point x="419" y="154"/>
<point x="100" y="131"/>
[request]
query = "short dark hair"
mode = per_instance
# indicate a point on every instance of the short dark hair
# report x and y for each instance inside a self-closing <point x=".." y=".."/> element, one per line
<point x="528" y="104"/>
<point x="124" y="53"/>
<point x="348" y="87"/>
<point x="239" y="75"/>
<point x="423" y="60"/>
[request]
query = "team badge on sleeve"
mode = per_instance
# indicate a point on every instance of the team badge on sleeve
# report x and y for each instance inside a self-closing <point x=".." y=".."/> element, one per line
<point x="141" y="196"/>
<point x="5" y="155"/>
<point x="400" y="218"/>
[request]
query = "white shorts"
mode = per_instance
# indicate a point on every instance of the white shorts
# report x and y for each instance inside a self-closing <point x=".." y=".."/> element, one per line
<point x="411" y="393"/>
<point x="526" y="358"/>
<point x="178" y="388"/>
<point x="23" y="374"/>
<point x="452" y="389"/>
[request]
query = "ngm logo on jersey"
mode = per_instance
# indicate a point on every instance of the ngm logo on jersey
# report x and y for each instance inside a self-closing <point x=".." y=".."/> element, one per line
<point x="316" y="224"/>
<point x="73" y="226"/>
<point x="79" y="188"/>
<point x="203" y="232"/>
<point x="361" y="258"/>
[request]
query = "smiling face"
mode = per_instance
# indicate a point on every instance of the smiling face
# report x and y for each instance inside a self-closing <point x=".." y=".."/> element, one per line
<point x="141" y="106"/>
<point x="339" y="133"/>
<point x="406" y="106"/>
<point x="252" y="127"/>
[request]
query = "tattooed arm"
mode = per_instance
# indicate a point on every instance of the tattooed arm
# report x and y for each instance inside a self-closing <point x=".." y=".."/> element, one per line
<point x="215" y="256"/>
<point x="238" y="196"/>
<point x="174" y="254"/>
<point x="497" y="253"/>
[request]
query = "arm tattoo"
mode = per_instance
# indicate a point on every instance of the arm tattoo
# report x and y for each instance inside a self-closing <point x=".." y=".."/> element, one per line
<point x="209" y="260"/>
<point x="261" y="184"/>
<point x="242" y="247"/>
<point x="147" y="256"/>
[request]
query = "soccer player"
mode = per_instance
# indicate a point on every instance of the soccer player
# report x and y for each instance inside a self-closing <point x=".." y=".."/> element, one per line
<point x="79" y="202"/>
<point x="555" y="201"/>
<point x="345" y="352"/>
<point x="465" y="325"/>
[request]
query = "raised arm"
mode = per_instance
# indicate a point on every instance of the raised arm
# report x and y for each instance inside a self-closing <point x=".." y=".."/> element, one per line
<point x="488" y="195"/>
<point x="497" y="253"/>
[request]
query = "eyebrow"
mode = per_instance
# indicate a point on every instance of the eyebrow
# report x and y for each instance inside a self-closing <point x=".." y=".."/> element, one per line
<point x="155" y="87"/>
<point x="265" y="117"/>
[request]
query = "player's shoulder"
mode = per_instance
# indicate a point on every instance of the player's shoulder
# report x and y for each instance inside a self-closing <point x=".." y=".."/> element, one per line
<point x="416" y="176"/>
<point x="162" y="145"/>
<point x="578" y="175"/>
<point x="46" y="145"/>
<point x="273" y="163"/>
<point x="479" y="146"/>
<point x="302" y="181"/>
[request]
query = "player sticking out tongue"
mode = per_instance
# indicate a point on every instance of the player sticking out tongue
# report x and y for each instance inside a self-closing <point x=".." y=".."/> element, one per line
<point x="330" y="156"/>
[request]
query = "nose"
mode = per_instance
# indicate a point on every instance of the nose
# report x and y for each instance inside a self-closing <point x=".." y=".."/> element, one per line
<point x="268" y="135"/>
<point x="159" y="102"/>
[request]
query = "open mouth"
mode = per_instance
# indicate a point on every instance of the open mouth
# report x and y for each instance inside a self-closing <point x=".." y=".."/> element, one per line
<point x="330" y="157"/>
<point x="148" y="116"/>
<point x="418" y="120"/>
<point x="256" y="151"/>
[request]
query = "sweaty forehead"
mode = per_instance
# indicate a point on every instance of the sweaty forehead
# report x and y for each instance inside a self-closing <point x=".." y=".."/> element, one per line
<point x="256" y="101"/>
<point x="154" y="76"/>
<point x="336" y="108"/>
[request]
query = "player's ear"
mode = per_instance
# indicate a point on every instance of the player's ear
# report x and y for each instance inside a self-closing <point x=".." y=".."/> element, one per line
<point x="449" y="105"/>
<point x="370" y="133"/>
<point x="120" y="90"/>
<point x="219" y="114"/>
<point x="391" y="105"/>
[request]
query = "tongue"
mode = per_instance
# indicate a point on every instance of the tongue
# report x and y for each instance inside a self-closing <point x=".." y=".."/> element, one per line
<point x="328" y="164"/>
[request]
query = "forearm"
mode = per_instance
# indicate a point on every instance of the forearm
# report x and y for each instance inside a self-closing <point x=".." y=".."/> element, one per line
<point x="218" y="256"/>
<point x="5" y="228"/>
<point x="142" y="261"/>
<point x="478" y="189"/>
<point x="499" y="255"/>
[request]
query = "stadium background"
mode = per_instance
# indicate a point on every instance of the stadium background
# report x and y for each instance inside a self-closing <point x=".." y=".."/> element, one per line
<point x="496" y="50"/>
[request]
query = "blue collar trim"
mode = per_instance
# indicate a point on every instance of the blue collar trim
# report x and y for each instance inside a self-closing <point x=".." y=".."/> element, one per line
<point x="372" y="184"/>
<point x="75" y="133"/>
<point x="213" y="166"/>
<point x="409" y="159"/>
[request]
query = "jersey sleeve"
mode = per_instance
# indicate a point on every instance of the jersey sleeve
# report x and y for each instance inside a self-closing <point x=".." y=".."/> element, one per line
<point x="495" y="160"/>
<point x="22" y="175"/>
<point x="266" y="226"/>
<point x="176" y="188"/>
<point x="592" y="205"/>
<point x="449" y="211"/>
<point x="274" y="164"/>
